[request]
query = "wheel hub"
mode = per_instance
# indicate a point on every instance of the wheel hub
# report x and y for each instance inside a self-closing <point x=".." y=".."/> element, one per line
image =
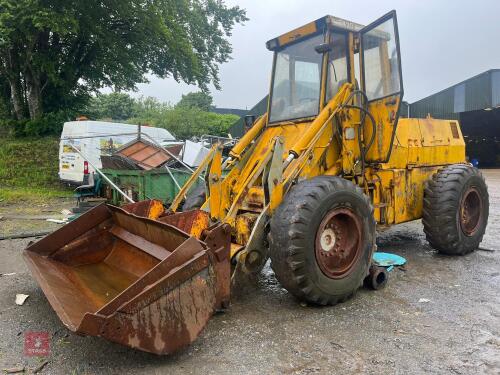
<point x="471" y="209"/>
<point x="328" y="239"/>
<point x="338" y="242"/>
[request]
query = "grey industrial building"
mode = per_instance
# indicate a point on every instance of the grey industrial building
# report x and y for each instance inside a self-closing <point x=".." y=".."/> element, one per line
<point x="229" y="111"/>
<point x="477" y="93"/>
<point x="475" y="102"/>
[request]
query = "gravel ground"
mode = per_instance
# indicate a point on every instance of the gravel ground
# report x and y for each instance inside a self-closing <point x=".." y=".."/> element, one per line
<point x="266" y="331"/>
<point x="16" y="218"/>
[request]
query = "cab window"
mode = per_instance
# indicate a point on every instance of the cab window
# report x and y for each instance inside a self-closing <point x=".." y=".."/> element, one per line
<point x="338" y="72"/>
<point x="381" y="61"/>
<point x="297" y="81"/>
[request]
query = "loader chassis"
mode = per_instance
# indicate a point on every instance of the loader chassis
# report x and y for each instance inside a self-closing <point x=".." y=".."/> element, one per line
<point x="305" y="186"/>
<point x="389" y="158"/>
<point x="333" y="112"/>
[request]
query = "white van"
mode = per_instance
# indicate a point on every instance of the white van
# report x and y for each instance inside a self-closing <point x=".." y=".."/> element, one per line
<point x="96" y="138"/>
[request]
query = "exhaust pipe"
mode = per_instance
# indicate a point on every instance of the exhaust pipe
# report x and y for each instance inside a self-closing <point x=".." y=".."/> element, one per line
<point x="377" y="278"/>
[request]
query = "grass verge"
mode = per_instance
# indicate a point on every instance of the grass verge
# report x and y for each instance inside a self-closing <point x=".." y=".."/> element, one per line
<point x="32" y="195"/>
<point x="28" y="170"/>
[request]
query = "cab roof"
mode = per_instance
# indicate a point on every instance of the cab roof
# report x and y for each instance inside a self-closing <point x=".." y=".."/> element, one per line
<point x="326" y="22"/>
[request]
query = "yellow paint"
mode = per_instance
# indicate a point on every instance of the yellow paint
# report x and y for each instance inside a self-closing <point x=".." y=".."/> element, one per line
<point x="214" y="184"/>
<point x="254" y="199"/>
<point x="298" y="33"/>
<point x="384" y="111"/>
<point x="249" y="137"/>
<point x="243" y="227"/>
<point x="276" y="197"/>
<point x="396" y="168"/>
<point x="426" y="142"/>
<point x="201" y="222"/>
<point x="156" y="209"/>
<point x="235" y="249"/>
<point x="190" y="182"/>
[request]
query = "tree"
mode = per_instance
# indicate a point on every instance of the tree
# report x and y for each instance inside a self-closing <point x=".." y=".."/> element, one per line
<point x="150" y="107"/>
<point x="199" y="100"/>
<point x="55" y="53"/>
<point x="116" y="106"/>
<point x="185" y="123"/>
<point x="5" y="105"/>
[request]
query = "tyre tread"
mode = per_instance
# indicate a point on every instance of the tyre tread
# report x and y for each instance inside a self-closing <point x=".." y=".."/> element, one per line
<point x="288" y="227"/>
<point x="442" y="196"/>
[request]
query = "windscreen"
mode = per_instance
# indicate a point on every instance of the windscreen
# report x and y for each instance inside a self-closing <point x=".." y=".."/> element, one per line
<point x="297" y="81"/>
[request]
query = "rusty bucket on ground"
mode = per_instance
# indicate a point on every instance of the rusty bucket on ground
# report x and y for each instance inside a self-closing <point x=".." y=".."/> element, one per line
<point x="136" y="281"/>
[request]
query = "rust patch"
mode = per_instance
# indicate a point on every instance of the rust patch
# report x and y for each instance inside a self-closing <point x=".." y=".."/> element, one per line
<point x="139" y="282"/>
<point x="151" y="209"/>
<point x="192" y="222"/>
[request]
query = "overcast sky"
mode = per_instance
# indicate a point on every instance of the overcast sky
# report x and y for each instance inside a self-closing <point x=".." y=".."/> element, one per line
<point x="442" y="42"/>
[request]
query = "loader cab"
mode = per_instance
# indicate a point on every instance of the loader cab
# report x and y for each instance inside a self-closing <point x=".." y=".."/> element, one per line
<point x="312" y="62"/>
<point x="297" y="84"/>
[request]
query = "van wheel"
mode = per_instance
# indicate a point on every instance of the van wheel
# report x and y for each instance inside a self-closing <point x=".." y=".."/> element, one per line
<point x="456" y="208"/>
<point x="321" y="240"/>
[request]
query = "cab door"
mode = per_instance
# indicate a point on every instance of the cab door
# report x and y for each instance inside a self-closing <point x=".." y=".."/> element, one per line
<point x="382" y="82"/>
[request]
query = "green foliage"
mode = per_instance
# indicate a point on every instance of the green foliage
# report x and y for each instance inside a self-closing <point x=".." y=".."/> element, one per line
<point x="49" y="124"/>
<point x="181" y="120"/>
<point x="185" y="120"/>
<point x="5" y="106"/>
<point x="55" y="53"/>
<point x="28" y="169"/>
<point x="29" y="163"/>
<point x="150" y="107"/>
<point x="186" y="123"/>
<point x="9" y="127"/>
<point x="116" y="106"/>
<point x="200" y="100"/>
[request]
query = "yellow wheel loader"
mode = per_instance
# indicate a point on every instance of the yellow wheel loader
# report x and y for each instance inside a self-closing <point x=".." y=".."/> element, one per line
<point x="307" y="186"/>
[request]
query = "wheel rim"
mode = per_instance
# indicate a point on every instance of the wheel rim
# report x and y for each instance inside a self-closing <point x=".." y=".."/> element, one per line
<point x="338" y="243"/>
<point x="471" y="209"/>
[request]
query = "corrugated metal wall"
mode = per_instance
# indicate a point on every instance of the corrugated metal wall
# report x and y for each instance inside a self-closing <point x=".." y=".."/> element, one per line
<point x="495" y="88"/>
<point x="404" y="109"/>
<point x="439" y="105"/>
<point x="476" y="93"/>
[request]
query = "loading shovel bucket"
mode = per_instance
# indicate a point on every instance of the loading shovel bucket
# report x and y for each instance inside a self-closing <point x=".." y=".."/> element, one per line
<point x="132" y="280"/>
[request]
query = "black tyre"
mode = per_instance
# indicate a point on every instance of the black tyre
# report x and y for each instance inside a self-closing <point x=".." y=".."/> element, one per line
<point x="321" y="240"/>
<point x="195" y="199"/>
<point x="456" y="208"/>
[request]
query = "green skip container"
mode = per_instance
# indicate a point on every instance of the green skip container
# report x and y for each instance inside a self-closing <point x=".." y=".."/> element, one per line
<point x="141" y="185"/>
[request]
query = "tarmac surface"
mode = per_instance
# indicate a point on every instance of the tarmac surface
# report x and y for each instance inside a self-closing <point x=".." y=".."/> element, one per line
<point x="441" y="315"/>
